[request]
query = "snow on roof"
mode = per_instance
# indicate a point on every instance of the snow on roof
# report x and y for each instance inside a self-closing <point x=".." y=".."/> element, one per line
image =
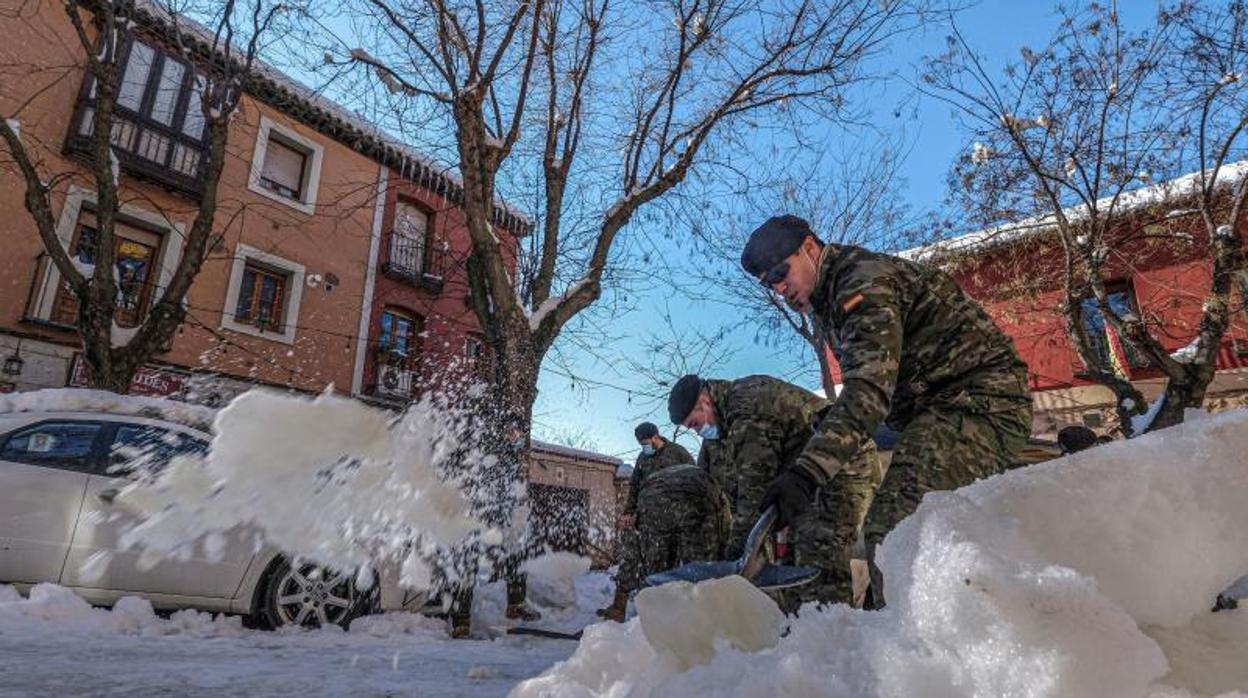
<point x="1134" y="200"/>
<point x="569" y="452"/>
<point x="85" y="400"/>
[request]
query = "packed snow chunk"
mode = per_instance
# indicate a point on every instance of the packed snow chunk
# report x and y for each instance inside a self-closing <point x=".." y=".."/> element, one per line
<point x="691" y="621"/>
<point x="552" y="578"/>
<point x="1090" y="575"/>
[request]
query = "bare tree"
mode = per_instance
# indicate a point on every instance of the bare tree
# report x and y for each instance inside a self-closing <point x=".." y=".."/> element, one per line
<point x="620" y="104"/>
<point x="101" y="28"/>
<point x="852" y="196"/>
<point x="1071" y="137"/>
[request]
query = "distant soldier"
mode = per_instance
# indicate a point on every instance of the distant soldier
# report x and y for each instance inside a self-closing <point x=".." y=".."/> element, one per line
<point x="657" y="454"/>
<point x="759" y="425"/>
<point x="913" y="349"/>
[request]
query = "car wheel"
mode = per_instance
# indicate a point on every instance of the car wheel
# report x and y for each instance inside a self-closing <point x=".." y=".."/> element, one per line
<point x="309" y="595"/>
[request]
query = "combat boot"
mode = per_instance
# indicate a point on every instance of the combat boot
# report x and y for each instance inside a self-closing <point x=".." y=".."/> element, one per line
<point x="461" y="627"/>
<point x="618" y="608"/>
<point x="522" y="611"/>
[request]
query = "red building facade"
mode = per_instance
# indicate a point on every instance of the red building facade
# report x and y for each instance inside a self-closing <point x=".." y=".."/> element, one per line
<point x="421" y="330"/>
<point x="1157" y="267"/>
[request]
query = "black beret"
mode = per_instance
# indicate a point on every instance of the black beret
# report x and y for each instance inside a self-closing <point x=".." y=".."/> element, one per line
<point x="1076" y="438"/>
<point x="646" y="430"/>
<point x="773" y="242"/>
<point x="684" y="396"/>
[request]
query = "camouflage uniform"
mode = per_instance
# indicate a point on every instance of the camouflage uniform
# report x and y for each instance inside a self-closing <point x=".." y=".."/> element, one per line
<point x="764" y="425"/>
<point x="913" y="348"/>
<point x="679" y="518"/>
<point x="629" y="576"/>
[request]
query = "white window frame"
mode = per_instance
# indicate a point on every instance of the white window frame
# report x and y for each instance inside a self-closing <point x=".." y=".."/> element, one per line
<point x="294" y="294"/>
<point x="173" y="236"/>
<point x="312" y="168"/>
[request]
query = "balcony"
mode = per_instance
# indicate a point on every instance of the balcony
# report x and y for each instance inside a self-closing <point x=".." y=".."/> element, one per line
<point x="145" y="148"/>
<point x="417" y="263"/>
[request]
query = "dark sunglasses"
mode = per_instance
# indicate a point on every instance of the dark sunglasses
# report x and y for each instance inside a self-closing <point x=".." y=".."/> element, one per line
<point x="775" y="275"/>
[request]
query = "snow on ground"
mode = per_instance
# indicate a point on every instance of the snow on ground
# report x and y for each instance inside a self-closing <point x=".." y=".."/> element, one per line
<point x="1092" y="575"/>
<point x="54" y="644"/>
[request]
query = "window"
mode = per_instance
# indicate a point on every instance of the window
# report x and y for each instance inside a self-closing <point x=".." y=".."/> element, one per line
<point x="158" y="120"/>
<point x="143" y="449"/>
<point x="1109" y="348"/>
<point x="400" y="334"/>
<point x="283" y="169"/>
<point x="286" y="167"/>
<point x="261" y="297"/>
<point x="54" y="444"/>
<point x="407" y="240"/>
<point x="135" y="254"/>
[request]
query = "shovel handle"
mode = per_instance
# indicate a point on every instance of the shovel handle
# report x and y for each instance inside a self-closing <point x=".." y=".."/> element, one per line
<point x="751" y="560"/>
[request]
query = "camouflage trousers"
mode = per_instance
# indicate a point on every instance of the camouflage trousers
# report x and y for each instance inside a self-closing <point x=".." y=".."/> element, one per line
<point x="628" y="576"/>
<point x="945" y="446"/>
<point x="825" y="536"/>
<point x="679" y="519"/>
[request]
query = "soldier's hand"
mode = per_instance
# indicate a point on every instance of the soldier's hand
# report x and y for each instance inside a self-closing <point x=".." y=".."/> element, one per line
<point x="791" y="493"/>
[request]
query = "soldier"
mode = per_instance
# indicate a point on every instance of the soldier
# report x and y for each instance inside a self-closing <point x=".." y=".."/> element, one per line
<point x="679" y="518"/>
<point x="913" y="348"/>
<point x="759" y="425"/>
<point x="657" y="453"/>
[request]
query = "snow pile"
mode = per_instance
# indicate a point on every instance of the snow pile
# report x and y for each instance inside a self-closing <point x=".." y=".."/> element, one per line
<point x="82" y="400"/>
<point x="329" y="478"/>
<point x="54" y="605"/>
<point x="552" y="578"/>
<point x="1051" y="580"/>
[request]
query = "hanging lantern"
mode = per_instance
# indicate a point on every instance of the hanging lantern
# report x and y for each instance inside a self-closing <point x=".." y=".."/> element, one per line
<point x="13" y="364"/>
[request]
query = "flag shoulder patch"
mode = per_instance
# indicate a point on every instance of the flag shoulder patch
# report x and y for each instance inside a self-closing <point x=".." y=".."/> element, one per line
<point x="853" y="302"/>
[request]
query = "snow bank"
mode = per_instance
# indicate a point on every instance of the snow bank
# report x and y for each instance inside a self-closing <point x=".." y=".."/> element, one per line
<point x="328" y="478"/>
<point x="83" y="400"/>
<point x="49" y="604"/>
<point x="1092" y="575"/>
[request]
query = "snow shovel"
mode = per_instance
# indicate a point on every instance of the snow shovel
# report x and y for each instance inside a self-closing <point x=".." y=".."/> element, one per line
<point x="752" y="564"/>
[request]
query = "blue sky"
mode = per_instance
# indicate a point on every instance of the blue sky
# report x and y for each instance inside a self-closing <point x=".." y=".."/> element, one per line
<point x="604" y="416"/>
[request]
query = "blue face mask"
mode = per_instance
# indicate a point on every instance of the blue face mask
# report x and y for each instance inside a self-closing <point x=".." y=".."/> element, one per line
<point x="648" y="449"/>
<point x="709" y="431"/>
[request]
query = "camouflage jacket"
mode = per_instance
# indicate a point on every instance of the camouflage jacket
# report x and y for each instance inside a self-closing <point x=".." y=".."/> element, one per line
<point x="905" y="336"/>
<point x="645" y="466"/>
<point x="763" y="425"/>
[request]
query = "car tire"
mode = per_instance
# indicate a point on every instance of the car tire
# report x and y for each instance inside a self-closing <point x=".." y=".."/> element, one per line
<point x="304" y="593"/>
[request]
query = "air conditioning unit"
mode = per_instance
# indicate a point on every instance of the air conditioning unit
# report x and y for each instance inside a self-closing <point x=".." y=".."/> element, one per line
<point x="393" y="381"/>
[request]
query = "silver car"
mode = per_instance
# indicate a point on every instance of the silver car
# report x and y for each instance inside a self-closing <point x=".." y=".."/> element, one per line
<point x="59" y="523"/>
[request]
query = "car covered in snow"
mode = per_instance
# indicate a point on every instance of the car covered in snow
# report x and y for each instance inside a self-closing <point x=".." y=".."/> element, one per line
<point x="61" y="471"/>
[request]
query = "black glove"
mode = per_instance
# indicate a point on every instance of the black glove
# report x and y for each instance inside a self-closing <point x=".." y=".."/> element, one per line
<point x="791" y="493"/>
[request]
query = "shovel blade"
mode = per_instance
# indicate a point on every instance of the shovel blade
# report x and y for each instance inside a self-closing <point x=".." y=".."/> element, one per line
<point x="696" y="572"/>
<point x="768" y="578"/>
<point x="772" y="577"/>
